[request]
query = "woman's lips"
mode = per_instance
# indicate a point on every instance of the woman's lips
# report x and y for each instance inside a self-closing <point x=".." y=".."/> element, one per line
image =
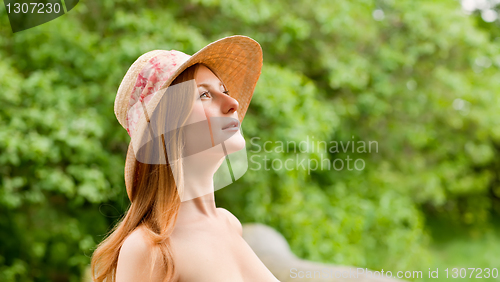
<point x="233" y="125"/>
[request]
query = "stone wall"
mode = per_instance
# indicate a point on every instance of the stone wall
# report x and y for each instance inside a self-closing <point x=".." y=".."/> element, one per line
<point x="274" y="251"/>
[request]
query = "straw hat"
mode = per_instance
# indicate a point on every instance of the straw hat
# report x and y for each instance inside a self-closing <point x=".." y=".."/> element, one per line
<point x="236" y="60"/>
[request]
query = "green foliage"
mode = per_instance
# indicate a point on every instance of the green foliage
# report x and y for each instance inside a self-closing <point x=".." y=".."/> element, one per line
<point x="419" y="82"/>
<point x="461" y="252"/>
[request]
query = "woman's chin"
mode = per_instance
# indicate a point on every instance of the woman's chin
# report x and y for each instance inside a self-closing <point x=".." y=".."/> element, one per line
<point x="235" y="143"/>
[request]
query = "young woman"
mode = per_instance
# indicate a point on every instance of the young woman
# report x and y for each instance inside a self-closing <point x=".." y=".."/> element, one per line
<point x="183" y="114"/>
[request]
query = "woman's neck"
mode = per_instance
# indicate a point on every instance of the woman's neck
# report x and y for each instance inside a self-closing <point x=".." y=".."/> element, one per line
<point x="198" y="198"/>
<point x="201" y="207"/>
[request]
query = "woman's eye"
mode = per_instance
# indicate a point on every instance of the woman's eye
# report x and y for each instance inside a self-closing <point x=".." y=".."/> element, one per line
<point x="206" y="94"/>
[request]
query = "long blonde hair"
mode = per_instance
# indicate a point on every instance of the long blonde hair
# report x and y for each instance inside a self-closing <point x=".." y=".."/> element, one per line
<point x="155" y="200"/>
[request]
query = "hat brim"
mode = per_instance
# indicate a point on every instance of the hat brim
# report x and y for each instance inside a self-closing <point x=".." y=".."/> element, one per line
<point x="236" y="60"/>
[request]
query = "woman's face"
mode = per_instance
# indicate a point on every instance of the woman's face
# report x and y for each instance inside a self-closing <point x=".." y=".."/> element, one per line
<point x="214" y="116"/>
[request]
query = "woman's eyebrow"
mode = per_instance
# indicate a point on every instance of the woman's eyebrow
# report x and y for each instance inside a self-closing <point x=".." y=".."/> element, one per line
<point x="208" y="85"/>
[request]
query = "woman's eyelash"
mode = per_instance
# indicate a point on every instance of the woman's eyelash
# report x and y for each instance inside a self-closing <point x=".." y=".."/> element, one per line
<point x="208" y="92"/>
<point x="205" y="92"/>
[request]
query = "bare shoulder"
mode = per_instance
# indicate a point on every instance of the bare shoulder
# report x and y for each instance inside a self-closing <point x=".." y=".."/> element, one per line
<point x="136" y="241"/>
<point x="134" y="259"/>
<point x="232" y="219"/>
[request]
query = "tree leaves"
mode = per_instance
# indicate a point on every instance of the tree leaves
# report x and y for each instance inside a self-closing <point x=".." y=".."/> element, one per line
<point x="419" y="80"/>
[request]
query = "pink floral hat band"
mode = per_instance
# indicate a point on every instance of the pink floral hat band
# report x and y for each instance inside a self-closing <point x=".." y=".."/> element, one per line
<point x="158" y="70"/>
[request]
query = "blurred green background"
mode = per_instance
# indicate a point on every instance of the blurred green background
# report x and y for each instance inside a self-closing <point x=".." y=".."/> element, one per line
<point x="419" y="77"/>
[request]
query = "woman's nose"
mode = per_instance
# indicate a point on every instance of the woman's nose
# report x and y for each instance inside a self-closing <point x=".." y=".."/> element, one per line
<point x="229" y="105"/>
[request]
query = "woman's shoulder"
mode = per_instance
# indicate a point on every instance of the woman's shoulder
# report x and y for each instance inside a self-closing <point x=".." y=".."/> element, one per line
<point x="233" y="220"/>
<point x="136" y="240"/>
<point x="133" y="256"/>
<point x="134" y="259"/>
<point x="135" y="245"/>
